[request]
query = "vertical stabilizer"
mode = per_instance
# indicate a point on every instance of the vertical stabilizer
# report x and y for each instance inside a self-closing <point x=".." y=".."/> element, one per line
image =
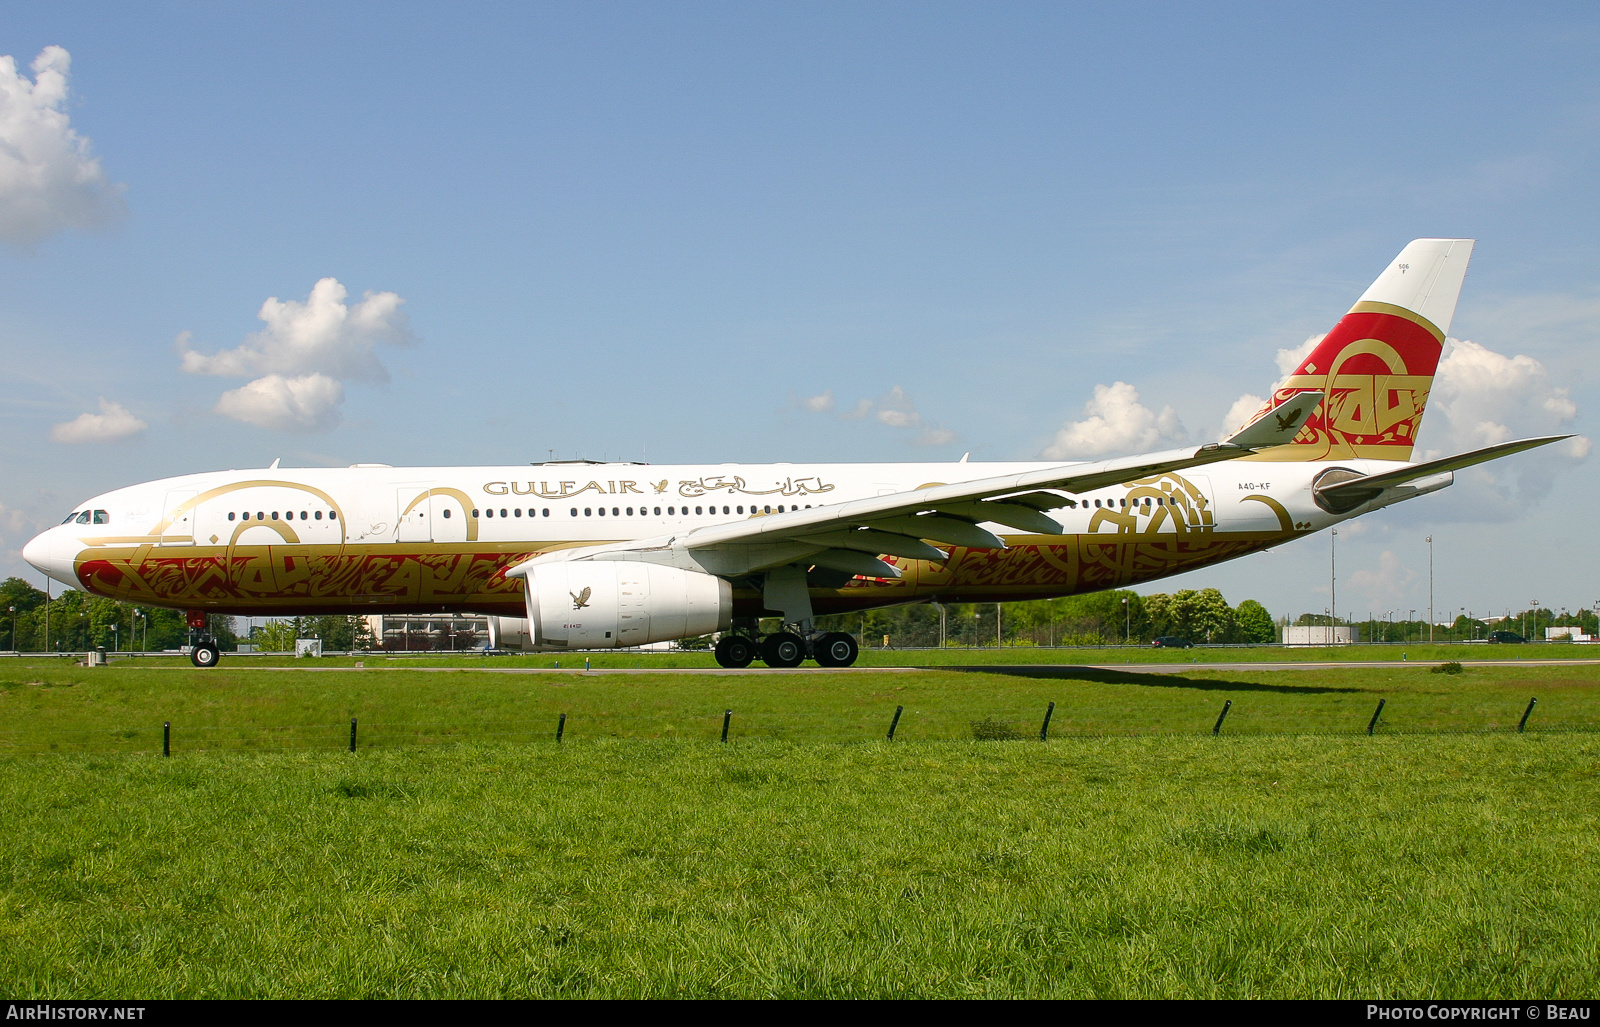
<point x="1377" y="365"/>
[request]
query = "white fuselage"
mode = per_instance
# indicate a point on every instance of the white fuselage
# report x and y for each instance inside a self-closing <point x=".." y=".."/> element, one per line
<point x="371" y="538"/>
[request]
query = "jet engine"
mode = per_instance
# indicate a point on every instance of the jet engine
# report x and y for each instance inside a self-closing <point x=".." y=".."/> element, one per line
<point x="611" y="604"/>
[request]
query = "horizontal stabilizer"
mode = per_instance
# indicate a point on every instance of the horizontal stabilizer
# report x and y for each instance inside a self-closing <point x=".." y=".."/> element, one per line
<point x="1412" y="472"/>
<point x="1279" y="425"/>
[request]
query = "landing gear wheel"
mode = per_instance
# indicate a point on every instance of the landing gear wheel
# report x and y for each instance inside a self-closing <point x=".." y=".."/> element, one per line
<point x="205" y="655"/>
<point x="836" y="649"/>
<point x="783" y="650"/>
<point x="735" y="651"/>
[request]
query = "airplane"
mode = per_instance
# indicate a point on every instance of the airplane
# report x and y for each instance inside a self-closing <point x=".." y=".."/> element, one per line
<point x="568" y="555"/>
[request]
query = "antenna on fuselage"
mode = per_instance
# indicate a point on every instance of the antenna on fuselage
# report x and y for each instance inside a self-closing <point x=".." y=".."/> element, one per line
<point x="274" y="465"/>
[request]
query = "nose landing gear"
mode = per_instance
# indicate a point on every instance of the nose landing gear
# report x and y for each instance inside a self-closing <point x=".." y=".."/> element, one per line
<point x="205" y="653"/>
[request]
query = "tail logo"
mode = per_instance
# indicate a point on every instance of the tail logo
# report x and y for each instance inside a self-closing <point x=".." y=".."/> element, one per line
<point x="1374" y="371"/>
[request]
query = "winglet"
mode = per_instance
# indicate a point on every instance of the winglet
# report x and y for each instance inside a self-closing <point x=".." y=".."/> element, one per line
<point x="1279" y="425"/>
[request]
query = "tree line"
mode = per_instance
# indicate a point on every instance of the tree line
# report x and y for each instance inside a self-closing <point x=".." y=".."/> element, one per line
<point x="76" y="621"/>
<point x="1113" y="617"/>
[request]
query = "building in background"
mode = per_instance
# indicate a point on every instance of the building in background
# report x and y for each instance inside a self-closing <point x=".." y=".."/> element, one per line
<point x="1319" y="634"/>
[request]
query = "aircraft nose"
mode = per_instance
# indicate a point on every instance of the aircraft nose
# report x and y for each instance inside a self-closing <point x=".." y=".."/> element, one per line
<point x="54" y="552"/>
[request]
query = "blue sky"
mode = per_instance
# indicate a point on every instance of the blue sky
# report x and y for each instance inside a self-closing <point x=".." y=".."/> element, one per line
<point x="655" y="231"/>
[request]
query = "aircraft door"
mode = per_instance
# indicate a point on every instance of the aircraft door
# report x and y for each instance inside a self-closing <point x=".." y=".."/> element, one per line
<point x="179" y="520"/>
<point x="447" y="517"/>
<point x="413" y="523"/>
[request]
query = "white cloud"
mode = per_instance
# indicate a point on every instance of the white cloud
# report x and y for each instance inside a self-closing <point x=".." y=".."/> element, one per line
<point x="1115" y="422"/>
<point x="307" y="403"/>
<point x="894" y="409"/>
<point x="19" y="524"/>
<point x="308" y="349"/>
<point x="1390" y="583"/>
<point x="113" y="422"/>
<point x="1290" y="359"/>
<point x="319" y="336"/>
<point x="818" y="404"/>
<point x="48" y="179"/>
<point x="1481" y="397"/>
<point x="1244" y="409"/>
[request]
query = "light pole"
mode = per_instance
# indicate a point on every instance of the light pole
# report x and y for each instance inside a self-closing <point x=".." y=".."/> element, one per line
<point x="13" y="628"/>
<point x="1333" y="596"/>
<point x="1409" y="618"/>
<point x="999" y="629"/>
<point x="1430" y="588"/>
<point x="1535" y="612"/>
<point x="1127" y="631"/>
<point x="144" y="645"/>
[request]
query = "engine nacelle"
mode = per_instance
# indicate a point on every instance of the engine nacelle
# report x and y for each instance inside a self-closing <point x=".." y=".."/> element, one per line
<point x="611" y="604"/>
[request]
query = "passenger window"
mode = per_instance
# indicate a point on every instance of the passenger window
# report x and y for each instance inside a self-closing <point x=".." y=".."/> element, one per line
<point x="588" y="512"/>
<point x="230" y="515"/>
<point x="724" y="509"/>
<point x="602" y="511"/>
<point x="630" y="511"/>
<point x="547" y="511"/>
<point x="474" y="513"/>
<point x="614" y="512"/>
<point x="447" y="513"/>
<point x="699" y="512"/>
<point x="318" y="515"/>
<point x="517" y="511"/>
<point x="739" y="508"/>
<point x="488" y="513"/>
<point x="768" y="509"/>
<point x="658" y="511"/>
<point x="574" y="511"/>
<point x="502" y="511"/>
<point x="780" y="508"/>
<point x="332" y="515"/>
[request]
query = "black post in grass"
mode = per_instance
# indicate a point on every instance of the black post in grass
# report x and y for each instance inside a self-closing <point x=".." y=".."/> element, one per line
<point x="1524" y="721"/>
<point x="896" y="721"/>
<point x="561" y="725"/>
<point x="352" y="734"/>
<point x="1374" y="721"/>
<point x="1221" y="716"/>
<point x="1045" y="729"/>
<point x="727" y="715"/>
<point x="166" y="738"/>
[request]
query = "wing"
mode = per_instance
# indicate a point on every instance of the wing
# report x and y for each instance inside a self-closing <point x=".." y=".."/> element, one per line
<point x="851" y="536"/>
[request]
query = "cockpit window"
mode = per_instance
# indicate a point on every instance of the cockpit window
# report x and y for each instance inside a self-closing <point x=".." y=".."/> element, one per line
<point x="83" y="518"/>
<point x="102" y="517"/>
<point x="71" y="517"/>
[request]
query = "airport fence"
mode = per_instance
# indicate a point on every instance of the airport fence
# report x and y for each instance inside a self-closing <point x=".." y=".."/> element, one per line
<point x="900" y="724"/>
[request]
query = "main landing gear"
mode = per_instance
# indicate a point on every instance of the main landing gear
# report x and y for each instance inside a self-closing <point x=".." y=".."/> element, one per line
<point x="787" y="649"/>
<point x="784" y="590"/>
<point x="205" y="653"/>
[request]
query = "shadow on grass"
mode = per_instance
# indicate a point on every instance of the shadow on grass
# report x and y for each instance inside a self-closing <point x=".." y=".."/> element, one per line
<point x="1146" y="679"/>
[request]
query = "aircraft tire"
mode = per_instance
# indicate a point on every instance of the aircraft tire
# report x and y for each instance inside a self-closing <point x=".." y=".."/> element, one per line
<point x="783" y="650"/>
<point x="836" y="649"/>
<point x="205" y="655"/>
<point x="735" y="651"/>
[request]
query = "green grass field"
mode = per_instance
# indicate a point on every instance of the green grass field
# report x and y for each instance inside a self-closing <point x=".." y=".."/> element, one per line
<point x="462" y="852"/>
